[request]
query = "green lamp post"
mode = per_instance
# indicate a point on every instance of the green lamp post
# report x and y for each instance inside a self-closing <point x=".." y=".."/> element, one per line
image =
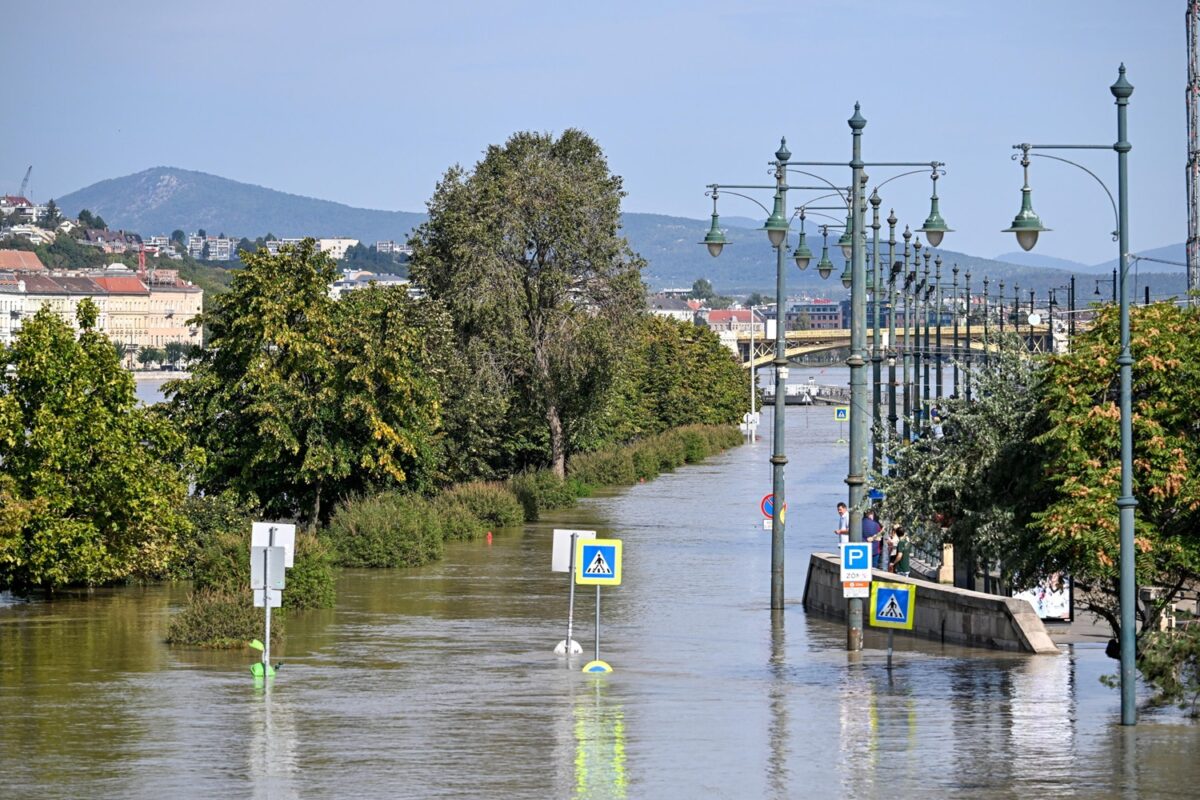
<point x="1027" y="226"/>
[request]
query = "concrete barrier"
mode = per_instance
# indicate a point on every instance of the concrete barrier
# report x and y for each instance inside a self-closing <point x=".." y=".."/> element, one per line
<point x="943" y="613"/>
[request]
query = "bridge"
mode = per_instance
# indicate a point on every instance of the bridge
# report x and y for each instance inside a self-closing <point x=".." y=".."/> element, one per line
<point x="800" y="343"/>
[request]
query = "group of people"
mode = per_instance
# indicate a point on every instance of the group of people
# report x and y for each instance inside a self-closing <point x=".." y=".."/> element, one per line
<point x="890" y="550"/>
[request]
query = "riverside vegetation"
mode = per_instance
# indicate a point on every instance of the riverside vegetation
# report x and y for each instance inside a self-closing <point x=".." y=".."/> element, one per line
<point x="385" y="425"/>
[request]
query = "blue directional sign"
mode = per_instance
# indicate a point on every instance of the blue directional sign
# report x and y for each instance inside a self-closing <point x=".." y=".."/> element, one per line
<point x="892" y="605"/>
<point x="841" y="413"/>
<point x="598" y="562"/>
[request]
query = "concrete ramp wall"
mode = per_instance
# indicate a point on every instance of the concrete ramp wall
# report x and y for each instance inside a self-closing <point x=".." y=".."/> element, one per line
<point x="943" y="613"/>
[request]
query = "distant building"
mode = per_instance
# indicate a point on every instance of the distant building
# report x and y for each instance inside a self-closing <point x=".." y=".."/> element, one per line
<point x="211" y="248"/>
<point x="818" y="315"/>
<point x="21" y="261"/>
<point x="361" y="279"/>
<point x="662" y="305"/>
<point x="336" y="247"/>
<point x="32" y="233"/>
<point x="112" y="241"/>
<point x="274" y="245"/>
<point x="393" y="248"/>
<point x="737" y="320"/>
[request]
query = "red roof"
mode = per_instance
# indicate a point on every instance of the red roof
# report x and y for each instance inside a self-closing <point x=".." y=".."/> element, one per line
<point x="21" y="261"/>
<point x="122" y="285"/>
<point x="730" y="315"/>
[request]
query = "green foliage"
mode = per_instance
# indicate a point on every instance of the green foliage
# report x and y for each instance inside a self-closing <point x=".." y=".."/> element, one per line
<point x="150" y="355"/>
<point x="310" y="581"/>
<point x="299" y="400"/>
<point x="389" y="529"/>
<point x="217" y="558"/>
<point x="977" y="483"/>
<point x="676" y="374"/>
<point x="457" y="521"/>
<point x="1078" y="526"/>
<point x="492" y="502"/>
<point x="1170" y="663"/>
<point x="92" y="483"/>
<point x="221" y="619"/>
<point x="642" y="460"/>
<point x="525" y="254"/>
<point x="541" y="490"/>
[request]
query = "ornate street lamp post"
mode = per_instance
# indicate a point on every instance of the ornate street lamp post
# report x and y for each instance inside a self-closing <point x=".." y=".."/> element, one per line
<point x="954" y="355"/>
<point x="1027" y="226"/>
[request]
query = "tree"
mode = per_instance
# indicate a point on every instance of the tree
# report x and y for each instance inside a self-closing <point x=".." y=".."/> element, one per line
<point x="976" y="488"/>
<point x="702" y="289"/>
<point x="86" y="220"/>
<point x="92" y="483"/>
<point x="52" y="216"/>
<point x="179" y="237"/>
<point x="1078" y="527"/>
<point x="173" y="351"/>
<point x="150" y="355"/>
<point x="299" y="400"/>
<point x="99" y="222"/>
<point x="757" y="299"/>
<point x="526" y="255"/>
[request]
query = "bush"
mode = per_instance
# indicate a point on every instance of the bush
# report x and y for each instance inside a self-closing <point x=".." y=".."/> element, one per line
<point x="645" y="459"/>
<point x="310" y="581"/>
<point x="458" y="522"/>
<point x="540" y="490"/>
<point x="212" y="517"/>
<point x="604" y="468"/>
<point x="385" y="530"/>
<point x="219" y="619"/>
<point x="492" y="502"/>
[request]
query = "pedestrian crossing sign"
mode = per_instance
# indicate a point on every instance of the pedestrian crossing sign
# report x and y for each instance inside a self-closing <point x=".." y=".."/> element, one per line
<point x="892" y="605"/>
<point x="841" y="413"/>
<point x="598" y="562"/>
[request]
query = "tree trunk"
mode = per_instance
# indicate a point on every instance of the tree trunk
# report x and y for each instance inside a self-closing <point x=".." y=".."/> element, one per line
<point x="558" y="445"/>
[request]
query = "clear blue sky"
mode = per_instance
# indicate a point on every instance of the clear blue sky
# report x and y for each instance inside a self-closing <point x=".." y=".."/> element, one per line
<point x="367" y="103"/>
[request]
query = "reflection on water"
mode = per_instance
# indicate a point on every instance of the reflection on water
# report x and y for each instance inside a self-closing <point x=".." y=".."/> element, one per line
<point x="441" y="682"/>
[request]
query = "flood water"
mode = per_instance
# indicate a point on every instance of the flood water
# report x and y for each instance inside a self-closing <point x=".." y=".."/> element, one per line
<point x="440" y="682"/>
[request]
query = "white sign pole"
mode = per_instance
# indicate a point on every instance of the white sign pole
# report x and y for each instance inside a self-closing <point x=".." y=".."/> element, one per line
<point x="597" y="622"/>
<point x="571" y="602"/>
<point x="267" y="602"/>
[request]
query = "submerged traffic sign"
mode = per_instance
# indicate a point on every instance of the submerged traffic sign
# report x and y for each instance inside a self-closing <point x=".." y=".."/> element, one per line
<point x="598" y="562"/>
<point x="892" y="605"/>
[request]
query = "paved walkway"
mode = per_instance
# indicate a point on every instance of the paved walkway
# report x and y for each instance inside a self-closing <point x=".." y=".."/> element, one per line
<point x="1086" y="629"/>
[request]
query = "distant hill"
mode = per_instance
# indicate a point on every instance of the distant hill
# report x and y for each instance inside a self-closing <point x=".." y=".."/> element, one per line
<point x="1038" y="260"/>
<point x="159" y="200"/>
<point x="162" y="199"/>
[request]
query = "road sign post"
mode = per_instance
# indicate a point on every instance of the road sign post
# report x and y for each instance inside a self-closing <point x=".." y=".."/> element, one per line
<point x="892" y="607"/>
<point x="842" y="415"/>
<point x="562" y="559"/>
<point x="855" y="569"/>
<point x="272" y="552"/>
<point x="598" y="563"/>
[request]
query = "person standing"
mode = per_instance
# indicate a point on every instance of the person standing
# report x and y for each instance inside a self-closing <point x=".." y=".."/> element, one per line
<point x="903" y="553"/>
<point x="871" y="533"/>
<point x="842" y="531"/>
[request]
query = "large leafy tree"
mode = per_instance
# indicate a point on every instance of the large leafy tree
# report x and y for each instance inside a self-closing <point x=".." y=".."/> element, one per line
<point x="526" y="254"/>
<point x="1078" y="526"/>
<point x="299" y="399"/>
<point x="92" y="483"/>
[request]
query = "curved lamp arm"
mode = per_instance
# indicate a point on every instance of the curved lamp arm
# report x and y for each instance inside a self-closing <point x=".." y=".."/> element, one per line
<point x="1116" y="217"/>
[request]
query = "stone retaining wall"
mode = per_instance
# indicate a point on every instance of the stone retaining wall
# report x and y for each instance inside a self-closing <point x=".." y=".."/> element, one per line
<point x="943" y="613"/>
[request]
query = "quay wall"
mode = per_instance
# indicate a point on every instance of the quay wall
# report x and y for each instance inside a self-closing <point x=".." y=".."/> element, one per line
<point x="943" y="613"/>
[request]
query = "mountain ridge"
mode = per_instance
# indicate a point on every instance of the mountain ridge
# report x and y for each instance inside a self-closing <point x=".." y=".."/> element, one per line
<point x="159" y="200"/>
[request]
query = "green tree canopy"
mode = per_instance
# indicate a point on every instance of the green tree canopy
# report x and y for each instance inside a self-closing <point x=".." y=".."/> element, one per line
<point x="526" y="255"/>
<point x="92" y="483"/>
<point x="299" y="400"/>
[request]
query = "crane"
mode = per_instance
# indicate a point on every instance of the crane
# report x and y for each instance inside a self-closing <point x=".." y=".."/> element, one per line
<point x="25" y="182"/>
<point x="1192" y="94"/>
